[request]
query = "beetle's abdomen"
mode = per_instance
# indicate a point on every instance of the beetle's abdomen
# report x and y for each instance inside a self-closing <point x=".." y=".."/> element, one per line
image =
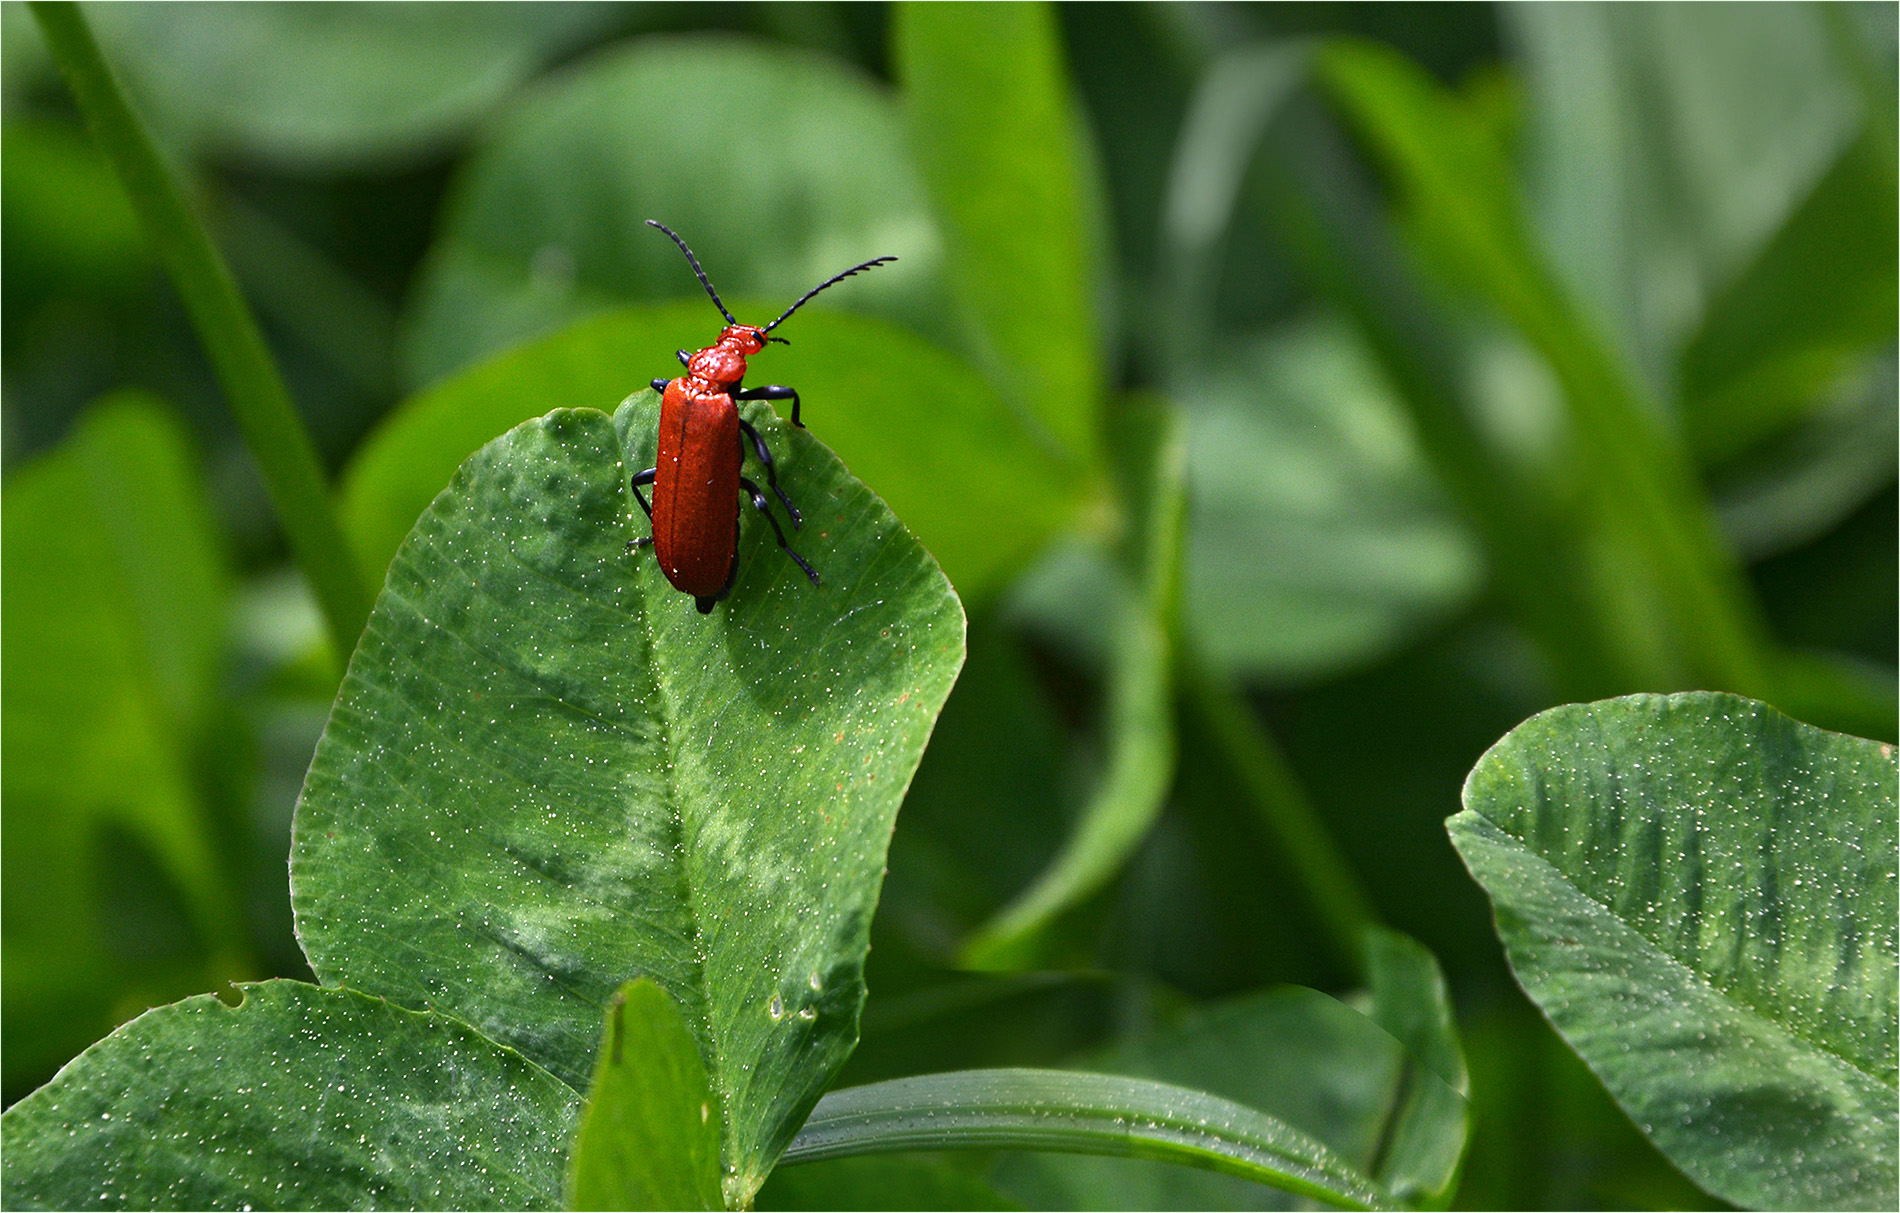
<point x="696" y="489"/>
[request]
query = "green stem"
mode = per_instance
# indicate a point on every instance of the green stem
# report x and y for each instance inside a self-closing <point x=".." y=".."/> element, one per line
<point x="1283" y="810"/>
<point x="259" y="400"/>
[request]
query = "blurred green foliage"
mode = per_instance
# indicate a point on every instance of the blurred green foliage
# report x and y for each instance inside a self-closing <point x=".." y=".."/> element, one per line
<point x="1522" y="354"/>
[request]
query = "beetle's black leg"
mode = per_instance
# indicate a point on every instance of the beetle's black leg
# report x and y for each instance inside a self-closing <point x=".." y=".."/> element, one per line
<point x="771" y="472"/>
<point x="659" y="385"/>
<point x="760" y="504"/>
<point x="640" y="478"/>
<point x="773" y="392"/>
<point x="686" y="359"/>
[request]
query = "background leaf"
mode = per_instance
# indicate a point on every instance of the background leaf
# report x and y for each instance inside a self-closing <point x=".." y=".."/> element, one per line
<point x="297" y="1098"/>
<point x="986" y="95"/>
<point x="1664" y="146"/>
<point x="647" y="1139"/>
<point x="912" y="421"/>
<point x="550" y="773"/>
<point x="547" y="223"/>
<point x="118" y="860"/>
<point x="1298" y="1056"/>
<point x="1700" y="181"/>
<point x="879" y="1182"/>
<point x="316" y="86"/>
<point x="1300" y="458"/>
<point x="1425" y="1137"/>
<point x="1700" y="893"/>
<point x="1141" y="742"/>
<point x="1654" y="537"/>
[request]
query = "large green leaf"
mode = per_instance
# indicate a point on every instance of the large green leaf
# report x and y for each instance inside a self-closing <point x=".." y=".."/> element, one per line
<point x="546" y="773"/>
<point x="332" y="84"/>
<point x="300" y="1097"/>
<point x="916" y="424"/>
<point x="546" y="223"/>
<point x="1307" y="1060"/>
<point x="992" y="126"/>
<point x="116" y="891"/>
<point x="1700" y="894"/>
<point x="647" y="1139"/>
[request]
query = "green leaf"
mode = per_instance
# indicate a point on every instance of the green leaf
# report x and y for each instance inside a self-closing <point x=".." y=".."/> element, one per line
<point x="1300" y="451"/>
<point x="1083" y="1114"/>
<point x="1317" y="539"/>
<point x="1304" y="1059"/>
<point x="1141" y="739"/>
<point x="1489" y="449"/>
<point x="1700" y="894"/>
<point x="993" y="129"/>
<point x="300" y="1098"/>
<point x="1664" y="146"/>
<point x="65" y="218"/>
<point x="1821" y="294"/>
<point x="546" y="224"/>
<point x="333" y="87"/>
<point x="648" y="1139"/>
<point x="1696" y="175"/>
<point x="1426" y="1135"/>
<point x="548" y="773"/>
<point x="872" y="1183"/>
<point x="1410" y="1001"/>
<point x="913" y="422"/>
<point x="114" y="612"/>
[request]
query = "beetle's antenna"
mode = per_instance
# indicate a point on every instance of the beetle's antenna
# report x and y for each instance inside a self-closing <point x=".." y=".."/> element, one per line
<point x="694" y="262"/>
<point x="831" y="281"/>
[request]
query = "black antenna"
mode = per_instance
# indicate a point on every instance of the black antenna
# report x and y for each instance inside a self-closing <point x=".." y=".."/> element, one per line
<point x="831" y="281"/>
<point x="694" y="262"/>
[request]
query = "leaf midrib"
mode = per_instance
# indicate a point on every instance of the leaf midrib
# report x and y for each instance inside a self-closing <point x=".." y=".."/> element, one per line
<point x="1729" y="999"/>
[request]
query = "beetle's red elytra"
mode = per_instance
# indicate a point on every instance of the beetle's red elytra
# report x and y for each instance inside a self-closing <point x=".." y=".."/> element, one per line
<point x="696" y="481"/>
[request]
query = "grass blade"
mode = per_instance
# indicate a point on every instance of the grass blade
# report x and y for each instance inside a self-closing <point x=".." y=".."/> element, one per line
<point x="259" y="400"/>
<point x="1079" y="1113"/>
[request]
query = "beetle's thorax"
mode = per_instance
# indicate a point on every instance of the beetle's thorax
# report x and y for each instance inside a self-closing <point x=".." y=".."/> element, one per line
<point x="722" y="363"/>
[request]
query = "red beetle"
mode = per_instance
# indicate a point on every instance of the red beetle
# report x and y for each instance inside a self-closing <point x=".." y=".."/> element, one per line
<point x="696" y="484"/>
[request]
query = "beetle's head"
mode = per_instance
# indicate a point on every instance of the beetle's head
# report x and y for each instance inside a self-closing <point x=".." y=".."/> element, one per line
<point x="743" y="339"/>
